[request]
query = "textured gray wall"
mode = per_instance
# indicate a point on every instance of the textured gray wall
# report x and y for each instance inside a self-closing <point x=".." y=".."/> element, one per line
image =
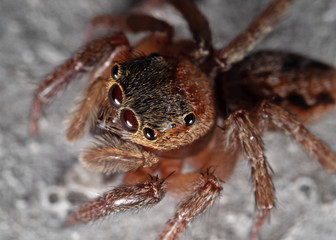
<point x="40" y="177"/>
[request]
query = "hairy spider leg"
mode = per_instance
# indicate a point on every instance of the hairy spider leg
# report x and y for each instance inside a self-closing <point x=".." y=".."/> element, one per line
<point x="89" y="57"/>
<point x="120" y="199"/>
<point x="198" y="26"/>
<point x="254" y="33"/>
<point x="192" y="206"/>
<point x="279" y="117"/>
<point x="133" y="22"/>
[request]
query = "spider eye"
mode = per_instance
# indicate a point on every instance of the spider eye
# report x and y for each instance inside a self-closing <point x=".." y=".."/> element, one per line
<point x="115" y="96"/>
<point x="129" y="120"/>
<point x="115" y="71"/>
<point x="149" y="134"/>
<point x="154" y="55"/>
<point x="189" y="119"/>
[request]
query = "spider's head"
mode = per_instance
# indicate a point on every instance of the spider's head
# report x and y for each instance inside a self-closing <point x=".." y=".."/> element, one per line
<point x="161" y="103"/>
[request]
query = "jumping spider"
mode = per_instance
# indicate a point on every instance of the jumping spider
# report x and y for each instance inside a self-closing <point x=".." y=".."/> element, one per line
<point x="161" y="103"/>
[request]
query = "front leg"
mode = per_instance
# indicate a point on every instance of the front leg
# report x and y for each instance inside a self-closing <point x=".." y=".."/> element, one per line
<point x="193" y="206"/>
<point x="120" y="199"/>
<point x="91" y="56"/>
<point x="110" y="154"/>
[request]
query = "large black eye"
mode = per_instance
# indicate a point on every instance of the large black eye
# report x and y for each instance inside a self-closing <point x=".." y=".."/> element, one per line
<point x="115" y="96"/>
<point x="189" y="119"/>
<point x="129" y="120"/>
<point x="115" y="71"/>
<point x="149" y="134"/>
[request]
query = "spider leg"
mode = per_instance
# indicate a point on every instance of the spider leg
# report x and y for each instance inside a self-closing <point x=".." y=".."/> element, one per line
<point x="193" y="206"/>
<point x="256" y="31"/>
<point x="198" y="25"/>
<point x="133" y="22"/>
<point x="89" y="57"/>
<point x="240" y="125"/>
<point x="196" y="190"/>
<point x="120" y="199"/>
<point x="279" y="117"/>
<point x="87" y="109"/>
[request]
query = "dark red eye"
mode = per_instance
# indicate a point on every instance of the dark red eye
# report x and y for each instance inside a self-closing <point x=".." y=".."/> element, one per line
<point x="189" y="119"/>
<point x="129" y="120"/>
<point x="115" y="96"/>
<point x="149" y="134"/>
<point x="115" y="71"/>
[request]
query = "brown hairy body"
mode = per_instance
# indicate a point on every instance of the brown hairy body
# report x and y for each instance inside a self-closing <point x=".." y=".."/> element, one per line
<point x="181" y="102"/>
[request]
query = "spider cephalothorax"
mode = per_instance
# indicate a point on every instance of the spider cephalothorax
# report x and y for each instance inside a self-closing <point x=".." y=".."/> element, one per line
<point x="159" y="101"/>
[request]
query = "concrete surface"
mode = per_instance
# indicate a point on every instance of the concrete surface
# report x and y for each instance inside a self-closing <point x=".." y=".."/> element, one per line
<point x="40" y="178"/>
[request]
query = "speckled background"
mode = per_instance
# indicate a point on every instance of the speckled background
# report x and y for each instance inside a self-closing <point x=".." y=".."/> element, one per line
<point x="40" y="177"/>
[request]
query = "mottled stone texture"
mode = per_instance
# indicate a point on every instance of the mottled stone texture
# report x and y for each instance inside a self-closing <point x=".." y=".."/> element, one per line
<point x="40" y="178"/>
